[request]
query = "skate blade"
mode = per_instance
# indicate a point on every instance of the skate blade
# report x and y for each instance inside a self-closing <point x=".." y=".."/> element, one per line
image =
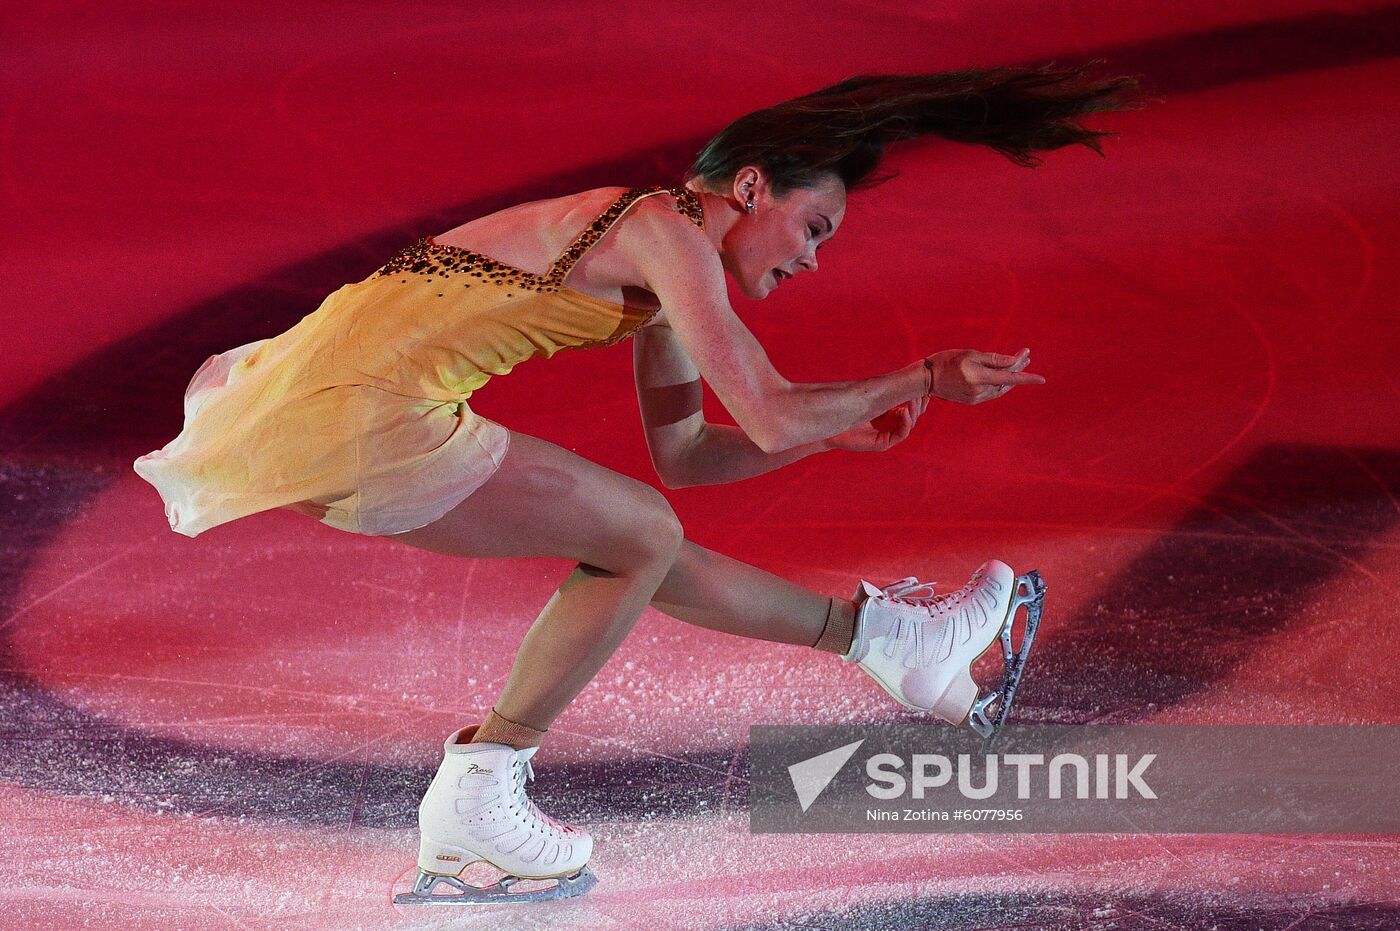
<point x="1030" y="591"/>
<point x="497" y="893"/>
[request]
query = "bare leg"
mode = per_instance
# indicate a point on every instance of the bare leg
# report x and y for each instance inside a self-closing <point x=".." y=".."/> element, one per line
<point x="631" y="551"/>
<point x="580" y="627"/>
<point x="546" y="501"/>
<point x="712" y="590"/>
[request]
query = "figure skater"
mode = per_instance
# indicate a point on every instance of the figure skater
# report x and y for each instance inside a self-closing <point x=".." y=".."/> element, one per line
<point x="357" y="416"/>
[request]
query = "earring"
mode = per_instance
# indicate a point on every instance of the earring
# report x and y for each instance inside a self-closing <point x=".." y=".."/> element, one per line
<point x="749" y="205"/>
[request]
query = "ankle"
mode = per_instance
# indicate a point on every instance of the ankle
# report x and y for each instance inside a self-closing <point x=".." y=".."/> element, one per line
<point x="840" y="628"/>
<point x="501" y="730"/>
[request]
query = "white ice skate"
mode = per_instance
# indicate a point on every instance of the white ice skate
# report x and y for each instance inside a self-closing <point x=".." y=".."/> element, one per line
<point x="476" y="810"/>
<point x="921" y="648"/>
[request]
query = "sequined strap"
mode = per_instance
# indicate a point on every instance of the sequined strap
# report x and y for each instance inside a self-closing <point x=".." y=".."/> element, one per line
<point x="686" y="200"/>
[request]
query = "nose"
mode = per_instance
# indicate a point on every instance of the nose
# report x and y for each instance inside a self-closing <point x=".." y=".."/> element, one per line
<point x="808" y="261"/>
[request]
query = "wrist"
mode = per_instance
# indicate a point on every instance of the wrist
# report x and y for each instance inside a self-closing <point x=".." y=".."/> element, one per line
<point x="902" y="385"/>
<point x="928" y="372"/>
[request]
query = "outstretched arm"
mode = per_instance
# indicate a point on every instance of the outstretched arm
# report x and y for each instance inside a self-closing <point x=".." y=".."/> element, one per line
<point x="684" y="448"/>
<point x="681" y="267"/>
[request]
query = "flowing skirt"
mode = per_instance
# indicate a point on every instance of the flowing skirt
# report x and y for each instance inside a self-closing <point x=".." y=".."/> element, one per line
<point x="354" y="456"/>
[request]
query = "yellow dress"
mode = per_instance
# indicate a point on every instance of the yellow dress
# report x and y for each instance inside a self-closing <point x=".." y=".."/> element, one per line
<point x="357" y="414"/>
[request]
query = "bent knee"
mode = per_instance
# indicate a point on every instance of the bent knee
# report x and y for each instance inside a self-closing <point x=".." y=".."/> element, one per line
<point x="646" y="535"/>
<point x="666" y="536"/>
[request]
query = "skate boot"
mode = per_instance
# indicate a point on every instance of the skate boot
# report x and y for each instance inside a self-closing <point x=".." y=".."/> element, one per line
<point x="476" y="810"/>
<point x="921" y="648"/>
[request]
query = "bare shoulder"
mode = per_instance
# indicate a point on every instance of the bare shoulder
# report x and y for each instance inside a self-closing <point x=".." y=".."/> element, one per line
<point x="583" y="200"/>
<point x="660" y="218"/>
<point x="571" y="211"/>
<point x="593" y="201"/>
<point x="530" y="235"/>
<point x="544" y="211"/>
<point x="663" y="244"/>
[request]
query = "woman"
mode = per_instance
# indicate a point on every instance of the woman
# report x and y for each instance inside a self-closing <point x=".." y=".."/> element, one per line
<point x="357" y="416"/>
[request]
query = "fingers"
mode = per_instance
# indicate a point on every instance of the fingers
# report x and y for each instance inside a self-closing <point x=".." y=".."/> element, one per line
<point x="997" y="360"/>
<point x="1001" y="377"/>
<point x="991" y="368"/>
<point x="989" y="393"/>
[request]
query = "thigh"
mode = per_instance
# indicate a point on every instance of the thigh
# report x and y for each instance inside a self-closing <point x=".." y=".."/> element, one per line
<point x="545" y="501"/>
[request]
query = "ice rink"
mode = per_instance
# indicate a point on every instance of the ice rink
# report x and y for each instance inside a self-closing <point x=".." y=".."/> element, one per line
<point x="233" y="732"/>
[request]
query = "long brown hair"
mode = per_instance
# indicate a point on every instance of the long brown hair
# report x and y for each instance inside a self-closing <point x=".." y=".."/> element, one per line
<point x="844" y="128"/>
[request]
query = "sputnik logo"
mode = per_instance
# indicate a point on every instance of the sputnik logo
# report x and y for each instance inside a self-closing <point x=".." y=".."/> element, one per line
<point x="811" y="777"/>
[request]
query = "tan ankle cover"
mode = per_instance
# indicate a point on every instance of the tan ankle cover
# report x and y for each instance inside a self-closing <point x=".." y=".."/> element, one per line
<point x="839" y="630"/>
<point x="496" y="729"/>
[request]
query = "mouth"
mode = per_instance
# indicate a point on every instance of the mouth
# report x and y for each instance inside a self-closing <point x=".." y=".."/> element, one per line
<point x="780" y="275"/>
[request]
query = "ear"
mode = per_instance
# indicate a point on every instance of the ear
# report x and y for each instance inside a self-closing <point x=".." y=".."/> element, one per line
<point x="749" y="181"/>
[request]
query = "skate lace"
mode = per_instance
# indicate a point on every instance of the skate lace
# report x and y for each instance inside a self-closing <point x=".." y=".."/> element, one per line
<point x="904" y="592"/>
<point x="521" y="771"/>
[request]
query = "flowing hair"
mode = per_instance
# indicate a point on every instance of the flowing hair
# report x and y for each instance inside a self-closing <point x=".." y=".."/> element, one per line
<point x="844" y="128"/>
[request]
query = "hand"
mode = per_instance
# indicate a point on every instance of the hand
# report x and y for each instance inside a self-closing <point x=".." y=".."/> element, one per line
<point x="971" y="377"/>
<point x="883" y="432"/>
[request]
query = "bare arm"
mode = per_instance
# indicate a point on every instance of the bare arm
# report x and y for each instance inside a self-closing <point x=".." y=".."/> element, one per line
<point x="726" y="454"/>
<point x="681" y="267"/>
<point x="813" y="407"/>
<point x="684" y="448"/>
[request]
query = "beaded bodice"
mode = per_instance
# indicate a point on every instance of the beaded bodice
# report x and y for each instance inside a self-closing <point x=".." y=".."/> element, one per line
<point x="438" y="321"/>
<point x="430" y="258"/>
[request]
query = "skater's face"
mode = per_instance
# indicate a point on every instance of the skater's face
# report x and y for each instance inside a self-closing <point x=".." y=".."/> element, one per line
<point x="781" y="236"/>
